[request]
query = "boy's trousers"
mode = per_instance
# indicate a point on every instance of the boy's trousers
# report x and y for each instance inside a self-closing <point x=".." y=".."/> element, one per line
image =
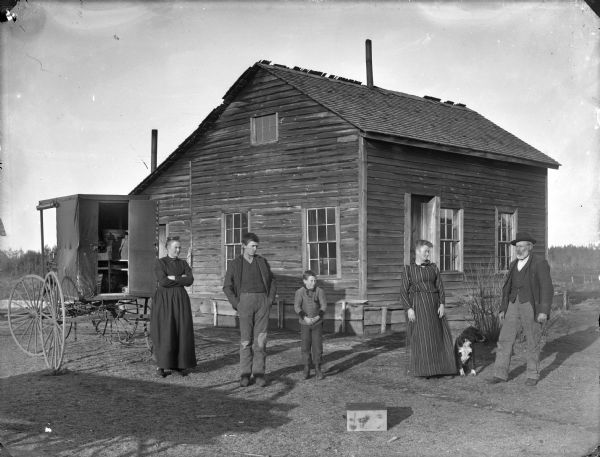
<point x="312" y="343"/>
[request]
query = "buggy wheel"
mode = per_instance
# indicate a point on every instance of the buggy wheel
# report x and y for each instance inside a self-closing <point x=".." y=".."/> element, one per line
<point x="53" y="322"/>
<point x="100" y="321"/>
<point x="125" y="322"/>
<point x="70" y="293"/>
<point x="24" y="307"/>
<point x="148" y="338"/>
<point x="72" y="299"/>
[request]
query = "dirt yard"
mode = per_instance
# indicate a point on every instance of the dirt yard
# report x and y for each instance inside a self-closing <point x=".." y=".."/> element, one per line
<point x="108" y="403"/>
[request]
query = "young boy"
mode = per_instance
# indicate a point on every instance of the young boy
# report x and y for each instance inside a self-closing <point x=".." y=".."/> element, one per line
<point x="310" y="304"/>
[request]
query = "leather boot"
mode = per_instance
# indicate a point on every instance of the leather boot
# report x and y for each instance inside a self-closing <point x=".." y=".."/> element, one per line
<point x="318" y="373"/>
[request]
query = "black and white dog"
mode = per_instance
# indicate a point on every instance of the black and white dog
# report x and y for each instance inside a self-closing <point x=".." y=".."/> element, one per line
<point x="464" y="350"/>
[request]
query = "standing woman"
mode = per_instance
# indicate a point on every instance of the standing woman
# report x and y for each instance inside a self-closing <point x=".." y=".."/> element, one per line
<point x="428" y="334"/>
<point x="171" y="325"/>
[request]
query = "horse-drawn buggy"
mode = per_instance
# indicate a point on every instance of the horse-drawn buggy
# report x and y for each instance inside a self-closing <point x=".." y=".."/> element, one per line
<point x="102" y="273"/>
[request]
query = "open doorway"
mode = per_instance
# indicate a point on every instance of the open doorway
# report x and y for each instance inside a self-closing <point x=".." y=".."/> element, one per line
<point x="421" y="223"/>
<point x="163" y="232"/>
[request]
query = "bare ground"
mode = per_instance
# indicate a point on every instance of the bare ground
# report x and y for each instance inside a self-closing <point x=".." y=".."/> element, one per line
<point x="108" y="403"/>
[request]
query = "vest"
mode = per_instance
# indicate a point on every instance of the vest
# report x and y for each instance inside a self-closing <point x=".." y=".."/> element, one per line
<point x="251" y="279"/>
<point x="519" y="285"/>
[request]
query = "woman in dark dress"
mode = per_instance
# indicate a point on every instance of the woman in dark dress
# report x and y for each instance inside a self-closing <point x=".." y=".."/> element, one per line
<point x="171" y="325"/>
<point x="422" y="294"/>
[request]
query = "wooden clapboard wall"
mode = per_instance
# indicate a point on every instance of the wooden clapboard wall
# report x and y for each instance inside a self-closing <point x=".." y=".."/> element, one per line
<point x="476" y="185"/>
<point x="321" y="160"/>
<point x="313" y="164"/>
<point x="172" y="190"/>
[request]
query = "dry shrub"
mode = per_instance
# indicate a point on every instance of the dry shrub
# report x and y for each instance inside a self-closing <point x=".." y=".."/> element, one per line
<point x="484" y="295"/>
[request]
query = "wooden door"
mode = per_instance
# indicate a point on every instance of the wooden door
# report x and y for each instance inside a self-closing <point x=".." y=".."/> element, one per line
<point x="430" y="230"/>
<point x="88" y="244"/>
<point x="142" y="236"/>
<point x="163" y="233"/>
<point x="67" y="239"/>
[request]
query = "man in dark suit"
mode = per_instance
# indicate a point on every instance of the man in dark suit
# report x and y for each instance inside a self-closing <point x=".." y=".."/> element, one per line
<point x="526" y="300"/>
<point x="250" y="288"/>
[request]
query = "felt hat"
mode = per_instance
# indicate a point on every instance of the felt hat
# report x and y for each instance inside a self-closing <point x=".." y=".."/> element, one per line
<point x="523" y="236"/>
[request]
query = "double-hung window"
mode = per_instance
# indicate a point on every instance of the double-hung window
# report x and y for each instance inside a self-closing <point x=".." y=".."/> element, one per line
<point x="322" y="241"/>
<point x="450" y="239"/>
<point x="235" y="225"/>
<point x="506" y="229"/>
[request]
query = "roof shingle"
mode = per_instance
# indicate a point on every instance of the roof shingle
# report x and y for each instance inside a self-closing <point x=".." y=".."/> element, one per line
<point x="402" y="115"/>
<point x="381" y="111"/>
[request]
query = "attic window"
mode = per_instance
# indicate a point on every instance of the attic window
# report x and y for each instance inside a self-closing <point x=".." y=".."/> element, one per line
<point x="263" y="129"/>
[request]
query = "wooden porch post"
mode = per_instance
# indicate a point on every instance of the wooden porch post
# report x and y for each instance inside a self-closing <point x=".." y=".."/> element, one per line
<point x="42" y="240"/>
<point x="384" y="311"/>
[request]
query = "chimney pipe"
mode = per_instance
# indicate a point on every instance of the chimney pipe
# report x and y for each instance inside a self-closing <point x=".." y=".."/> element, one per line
<point x="369" y="64"/>
<point x="153" y="150"/>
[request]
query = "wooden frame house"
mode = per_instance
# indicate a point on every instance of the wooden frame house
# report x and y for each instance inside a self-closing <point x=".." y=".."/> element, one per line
<point x="341" y="178"/>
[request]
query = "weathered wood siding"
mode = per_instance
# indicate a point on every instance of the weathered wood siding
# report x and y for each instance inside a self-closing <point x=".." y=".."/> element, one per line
<point x="476" y="185"/>
<point x="172" y="191"/>
<point x="313" y="164"/>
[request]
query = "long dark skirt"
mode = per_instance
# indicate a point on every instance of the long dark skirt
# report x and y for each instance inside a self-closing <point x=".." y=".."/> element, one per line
<point x="171" y="329"/>
<point x="430" y="347"/>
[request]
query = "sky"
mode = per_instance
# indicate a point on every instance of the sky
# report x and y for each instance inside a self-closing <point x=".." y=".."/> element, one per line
<point x="82" y="84"/>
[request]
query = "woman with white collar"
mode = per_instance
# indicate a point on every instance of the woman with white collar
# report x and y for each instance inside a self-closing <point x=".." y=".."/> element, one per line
<point x="428" y="334"/>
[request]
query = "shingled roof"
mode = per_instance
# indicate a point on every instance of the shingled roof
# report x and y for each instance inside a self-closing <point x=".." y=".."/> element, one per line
<point x="402" y="115"/>
<point x="381" y="113"/>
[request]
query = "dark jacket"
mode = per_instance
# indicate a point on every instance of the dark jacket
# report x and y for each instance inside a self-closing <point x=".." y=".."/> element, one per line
<point x="233" y="279"/>
<point x="540" y="283"/>
<point x="311" y="306"/>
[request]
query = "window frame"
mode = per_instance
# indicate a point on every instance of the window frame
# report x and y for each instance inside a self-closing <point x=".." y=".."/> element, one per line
<point x="514" y="214"/>
<point x="306" y="244"/>
<point x="224" y="244"/>
<point x="458" y="228"/>
<point x="253" y="124"/>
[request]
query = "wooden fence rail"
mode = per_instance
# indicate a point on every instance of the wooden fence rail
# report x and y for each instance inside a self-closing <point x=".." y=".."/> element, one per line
<point x="350" y="316"/>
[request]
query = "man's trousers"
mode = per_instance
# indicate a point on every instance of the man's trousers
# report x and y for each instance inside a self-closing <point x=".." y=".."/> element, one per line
<point x="253" y="311"/>
<point x="518" y="315"/>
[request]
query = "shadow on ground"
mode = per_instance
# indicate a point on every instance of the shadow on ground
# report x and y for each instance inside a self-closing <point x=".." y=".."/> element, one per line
<point x="225" y="344"/>
<point x="563" y="348"/>
<point x="208" y="340"/>
<point x="80" y="407"/>
<point x="397" y="414"/>
<point x="361" y="352"/>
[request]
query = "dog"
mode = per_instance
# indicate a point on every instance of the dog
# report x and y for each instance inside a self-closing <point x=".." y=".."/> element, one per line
<point x="464" y="350"/>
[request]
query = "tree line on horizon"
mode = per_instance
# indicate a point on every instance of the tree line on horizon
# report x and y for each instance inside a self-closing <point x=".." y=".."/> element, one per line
<point x="564" y="260"/>
<point x="15" y="263"/>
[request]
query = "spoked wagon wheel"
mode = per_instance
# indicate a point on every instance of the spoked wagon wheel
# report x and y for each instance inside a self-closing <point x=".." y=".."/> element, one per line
<point x="100" y="321"/>
<point x="146" y="325"/>
<point x="148" y="338"/>
<point x="53" y="322"/>
<point x="24" y="307"/>
<point x="125" y="322"/>
<point x="72" y="300"/>
<point x="71" y="294"/>
<point x="116" y="323"/>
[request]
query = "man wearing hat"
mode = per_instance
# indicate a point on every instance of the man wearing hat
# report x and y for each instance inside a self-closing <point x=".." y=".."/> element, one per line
<point x="526" y="299"/>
